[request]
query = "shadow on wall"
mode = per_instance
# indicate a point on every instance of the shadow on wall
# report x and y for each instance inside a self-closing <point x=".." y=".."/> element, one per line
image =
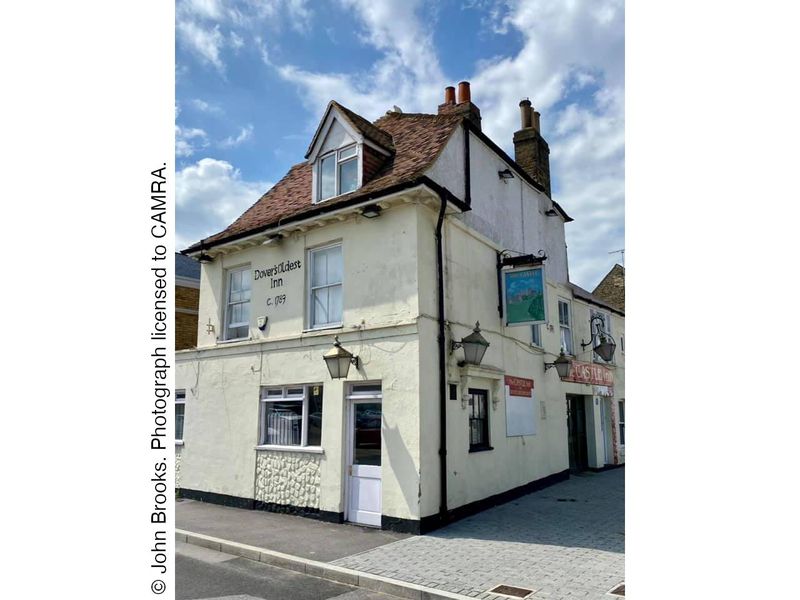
<point x="402" y="465"/>
<point x="587" y="511"/>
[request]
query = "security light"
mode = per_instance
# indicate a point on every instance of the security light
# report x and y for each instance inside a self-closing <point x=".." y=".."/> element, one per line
<point x="371" y="211"/>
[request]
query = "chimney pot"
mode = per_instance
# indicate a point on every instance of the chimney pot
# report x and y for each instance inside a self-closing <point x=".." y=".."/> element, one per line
<point x="449" y="95"/>
<point x="463" y="92"/>
<point x="525" y="113"/>
<point x="536" y="115"/>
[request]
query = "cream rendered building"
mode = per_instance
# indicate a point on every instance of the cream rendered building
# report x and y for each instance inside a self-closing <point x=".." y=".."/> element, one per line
<point x="355" y="244"/>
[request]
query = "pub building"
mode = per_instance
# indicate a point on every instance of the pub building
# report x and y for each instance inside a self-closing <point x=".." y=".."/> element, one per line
<point x="389" y="336"/>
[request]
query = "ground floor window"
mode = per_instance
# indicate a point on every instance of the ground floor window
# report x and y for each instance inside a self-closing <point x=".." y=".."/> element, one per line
<point x="478" y="420"/>
<point x="291" y="415"/>
<point x="180" y="409"/>
<point x="622" y="422"/>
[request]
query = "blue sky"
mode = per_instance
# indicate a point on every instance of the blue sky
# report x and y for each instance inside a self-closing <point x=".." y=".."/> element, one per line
<point x="253" y="78"/>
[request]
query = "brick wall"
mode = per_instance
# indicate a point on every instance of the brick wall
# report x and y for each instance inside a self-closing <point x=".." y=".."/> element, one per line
<point x="186" y="297"/>
<point x="532" y="153"/>
<point x="185" y="323"/>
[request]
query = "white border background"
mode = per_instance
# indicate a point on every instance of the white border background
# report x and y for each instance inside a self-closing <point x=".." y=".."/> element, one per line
<point x="712" y="412"/>
<point x="87" y="113"/>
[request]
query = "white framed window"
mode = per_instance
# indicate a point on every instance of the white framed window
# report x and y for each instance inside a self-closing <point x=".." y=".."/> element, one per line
<point x="180" y="410"/>
<point x="291" y="415"/>
<point x="565" y="324"/>
<point x="325" y="287"/>
<point x="622" y="422"/>
<point x="237" y="305"/>
<point x="597" y="328"/>
<point x="536" y="335"/>
<point x="337" y="172"/>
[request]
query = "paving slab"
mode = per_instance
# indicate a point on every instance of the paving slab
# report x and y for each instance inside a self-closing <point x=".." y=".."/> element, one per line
<point x="289" y="534"/>
<point x="563" y="542"/>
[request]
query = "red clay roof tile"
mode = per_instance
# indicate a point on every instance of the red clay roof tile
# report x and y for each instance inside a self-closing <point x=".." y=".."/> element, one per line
<point x="418" y="139"/>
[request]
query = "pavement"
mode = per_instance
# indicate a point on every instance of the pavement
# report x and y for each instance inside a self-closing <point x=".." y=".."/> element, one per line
<point x="564" y="542"/>
<point x="298" y="536"/>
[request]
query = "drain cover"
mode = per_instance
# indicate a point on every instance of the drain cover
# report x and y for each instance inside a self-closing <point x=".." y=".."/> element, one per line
<point x="511" y="591"/>
<point x="619" y="590"/>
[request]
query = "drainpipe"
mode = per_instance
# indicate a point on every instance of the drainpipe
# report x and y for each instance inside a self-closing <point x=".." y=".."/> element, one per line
<point x="442" y="362"/>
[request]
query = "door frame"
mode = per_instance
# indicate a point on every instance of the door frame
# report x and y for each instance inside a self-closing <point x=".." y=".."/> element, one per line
<point x="350" y="401"/>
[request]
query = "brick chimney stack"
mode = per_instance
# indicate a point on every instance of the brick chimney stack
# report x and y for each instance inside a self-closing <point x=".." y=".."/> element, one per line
<point x="464" y="105"/>
<point x="531" y="151"/>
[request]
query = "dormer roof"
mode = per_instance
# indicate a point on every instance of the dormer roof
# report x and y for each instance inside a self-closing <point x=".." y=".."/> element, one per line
<point x="361" y="127"/>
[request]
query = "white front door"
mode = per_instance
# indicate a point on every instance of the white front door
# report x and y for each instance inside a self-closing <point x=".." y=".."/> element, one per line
<point x="364" y="468"/>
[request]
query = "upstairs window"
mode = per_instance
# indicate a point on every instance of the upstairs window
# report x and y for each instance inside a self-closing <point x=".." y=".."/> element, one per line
<point x="338" y="172"/>
<point x="325" y="301"/>
<point x="536" y="335"/>
<point x="237" y="307"/>
<point x="180" y="410"/>
<point x="565" y="323"/>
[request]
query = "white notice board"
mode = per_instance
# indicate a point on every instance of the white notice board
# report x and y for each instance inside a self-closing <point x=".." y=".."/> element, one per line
<point x="521" y="414"/>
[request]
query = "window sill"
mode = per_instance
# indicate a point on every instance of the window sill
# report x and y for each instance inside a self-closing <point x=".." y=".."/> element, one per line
<point x="232" y="340"/>
<point x="306" y="449"/>
<point x="179" y="442"/>
<point x="481" y="449"/>
<point x="324" y="328"/>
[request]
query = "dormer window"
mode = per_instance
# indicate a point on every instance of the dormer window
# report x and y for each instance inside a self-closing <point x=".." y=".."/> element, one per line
<point x="338" y="172"/>
<point x="345" y="153"/>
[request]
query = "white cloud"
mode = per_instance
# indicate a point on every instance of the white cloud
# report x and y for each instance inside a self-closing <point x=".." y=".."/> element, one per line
<point x="408" y="74"/>
<point x="199" y="24"/>
<point x="210" y="195"/>
<point x="245" y="133"/>
<point x="205" y="42"/>
<point x="206" y="107"/>
<point x="189" y="140"/>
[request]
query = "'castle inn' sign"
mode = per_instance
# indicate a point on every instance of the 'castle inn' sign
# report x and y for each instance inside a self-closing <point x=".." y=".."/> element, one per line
<point x="591" y="373"/>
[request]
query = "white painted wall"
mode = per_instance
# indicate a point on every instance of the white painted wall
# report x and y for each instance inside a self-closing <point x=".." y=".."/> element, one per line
<point x="389" y="322"/>
<point x="223" y="379"/>
<point x="509" y="212"/>
<point x="380" y="287"/>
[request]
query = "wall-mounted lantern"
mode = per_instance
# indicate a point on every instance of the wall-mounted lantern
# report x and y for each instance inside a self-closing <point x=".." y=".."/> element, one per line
<point x="606" y="347"/>
<point x="474" y="345"/>
<point x="562" y="365"/>
<point x="339" y="360"/>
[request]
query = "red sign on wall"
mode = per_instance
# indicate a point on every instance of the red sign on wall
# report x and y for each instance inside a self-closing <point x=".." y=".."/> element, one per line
<point x="581" y="372"/>
<point x="520" y="387"/>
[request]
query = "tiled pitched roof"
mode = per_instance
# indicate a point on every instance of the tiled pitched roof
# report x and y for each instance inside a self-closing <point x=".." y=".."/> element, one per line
<point x="583" y="294"/>
<point x="612" y="288"/>
<point x="367" y="129"/>
<point x="186" y="266"/>
<point x="417" y="138"/>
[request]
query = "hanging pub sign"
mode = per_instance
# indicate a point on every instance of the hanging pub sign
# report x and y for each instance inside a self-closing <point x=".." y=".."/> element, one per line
<point x="524" y="298"/>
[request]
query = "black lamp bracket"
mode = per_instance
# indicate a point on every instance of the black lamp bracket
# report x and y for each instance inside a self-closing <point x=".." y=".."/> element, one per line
<point x="602" y="332"/>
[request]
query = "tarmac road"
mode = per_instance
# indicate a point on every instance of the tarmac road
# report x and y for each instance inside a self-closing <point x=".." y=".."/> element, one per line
<point x="201" y="573"/>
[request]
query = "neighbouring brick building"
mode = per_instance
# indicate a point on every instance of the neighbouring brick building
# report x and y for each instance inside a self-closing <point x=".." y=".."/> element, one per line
<point x="187" y="299"/>
<point x="612" y="288"/>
